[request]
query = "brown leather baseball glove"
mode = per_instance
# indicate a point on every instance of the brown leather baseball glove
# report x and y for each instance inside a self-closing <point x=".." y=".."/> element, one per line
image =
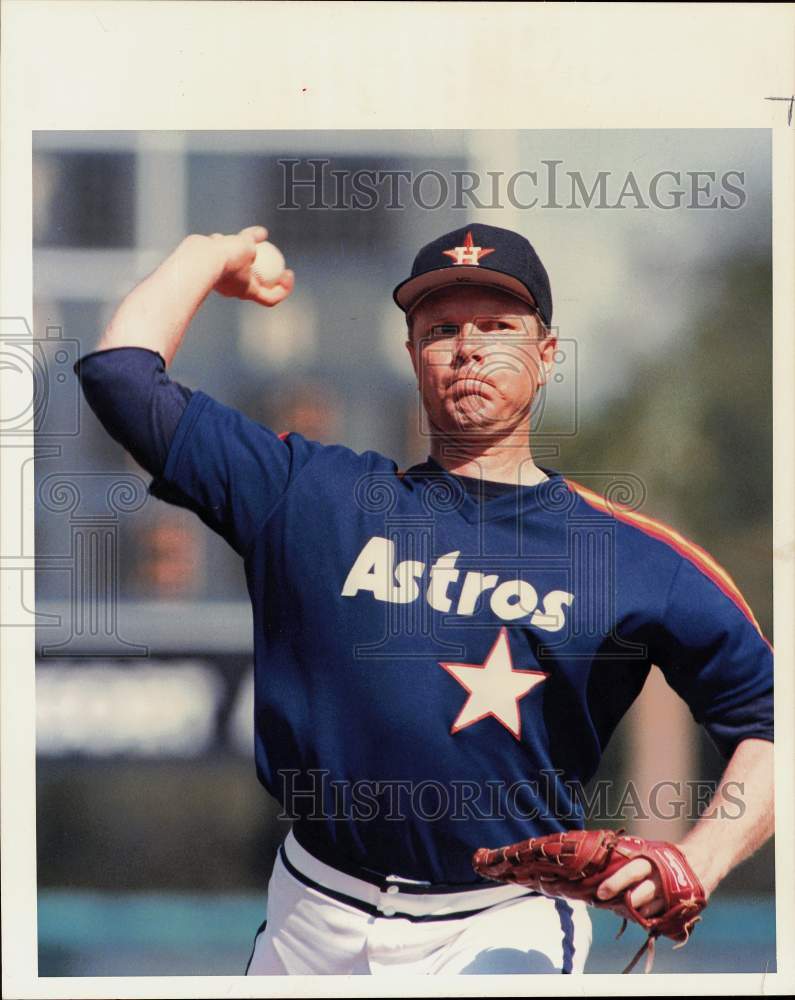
<point x="574" y="864"/>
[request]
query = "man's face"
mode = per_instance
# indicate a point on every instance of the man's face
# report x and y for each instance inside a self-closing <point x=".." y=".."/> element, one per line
<point x="479" y="355"/>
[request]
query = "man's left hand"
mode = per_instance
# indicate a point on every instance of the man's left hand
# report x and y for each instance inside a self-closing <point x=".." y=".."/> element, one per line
<point x="646" y="897"/>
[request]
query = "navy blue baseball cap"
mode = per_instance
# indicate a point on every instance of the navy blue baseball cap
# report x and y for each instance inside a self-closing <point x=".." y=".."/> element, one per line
<point x="479" y="255"/>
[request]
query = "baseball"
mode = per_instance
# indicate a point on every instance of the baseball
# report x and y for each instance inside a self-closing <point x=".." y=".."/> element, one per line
<point x="269" y="263"/>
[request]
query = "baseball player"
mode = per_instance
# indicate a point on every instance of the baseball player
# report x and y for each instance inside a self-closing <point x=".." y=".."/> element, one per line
<point x="441" y="652"/>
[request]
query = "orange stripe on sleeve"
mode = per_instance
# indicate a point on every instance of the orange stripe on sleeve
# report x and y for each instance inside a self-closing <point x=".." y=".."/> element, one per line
<point x="656" y="529"/>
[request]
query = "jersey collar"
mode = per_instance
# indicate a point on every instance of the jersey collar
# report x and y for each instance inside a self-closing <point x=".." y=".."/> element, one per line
<point x="548" y="494"/>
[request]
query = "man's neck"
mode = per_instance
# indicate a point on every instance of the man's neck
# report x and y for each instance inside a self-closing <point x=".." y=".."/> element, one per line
<point x="502" y="462"/>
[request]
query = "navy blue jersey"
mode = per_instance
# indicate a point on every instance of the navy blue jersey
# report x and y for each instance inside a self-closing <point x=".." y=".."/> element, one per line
<point x="135" y="400"/>
<point x="434" y="673"/>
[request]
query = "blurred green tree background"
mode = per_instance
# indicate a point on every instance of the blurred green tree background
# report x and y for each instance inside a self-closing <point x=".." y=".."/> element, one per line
<point x="696" y="426"/>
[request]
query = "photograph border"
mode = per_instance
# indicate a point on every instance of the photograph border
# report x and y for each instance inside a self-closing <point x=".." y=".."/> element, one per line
<point x="600" y="66"/>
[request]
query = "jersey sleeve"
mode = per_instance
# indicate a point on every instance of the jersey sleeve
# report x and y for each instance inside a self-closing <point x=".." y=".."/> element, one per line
<point x="135" y="400"/>
<point x="714" y="655"/>
<point x="230" y="470"/>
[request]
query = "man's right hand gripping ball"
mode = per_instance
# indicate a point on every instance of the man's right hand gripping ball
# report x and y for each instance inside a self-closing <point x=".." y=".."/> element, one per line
<point x="237" y="279"/>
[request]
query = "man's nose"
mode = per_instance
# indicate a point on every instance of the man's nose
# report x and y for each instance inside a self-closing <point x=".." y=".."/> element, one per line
<point x="470" y="342"/>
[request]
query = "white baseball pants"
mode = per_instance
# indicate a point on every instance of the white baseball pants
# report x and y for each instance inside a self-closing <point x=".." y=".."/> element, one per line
<point x="323" y="921"/>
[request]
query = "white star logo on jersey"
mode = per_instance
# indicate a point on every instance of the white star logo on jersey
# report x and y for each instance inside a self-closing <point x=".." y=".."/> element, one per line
<point x="468" y="253"/>
<point x="494" y="687"/>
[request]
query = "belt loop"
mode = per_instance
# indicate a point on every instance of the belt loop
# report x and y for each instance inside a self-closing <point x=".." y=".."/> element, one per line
<point x="389" y="898"/>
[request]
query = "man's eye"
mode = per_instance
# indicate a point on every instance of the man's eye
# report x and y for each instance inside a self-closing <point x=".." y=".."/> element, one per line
<point x="444" y="330"/>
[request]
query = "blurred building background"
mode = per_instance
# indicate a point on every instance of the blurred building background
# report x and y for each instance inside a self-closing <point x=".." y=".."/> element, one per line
<point x="153" y="834"/>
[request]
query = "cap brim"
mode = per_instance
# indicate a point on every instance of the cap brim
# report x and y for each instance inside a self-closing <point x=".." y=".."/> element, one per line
<point x="409" y="293"/>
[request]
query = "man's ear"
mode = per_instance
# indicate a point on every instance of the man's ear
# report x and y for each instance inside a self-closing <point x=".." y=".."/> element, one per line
<point x="411" y="347"/>
<point x="547" y="351"/>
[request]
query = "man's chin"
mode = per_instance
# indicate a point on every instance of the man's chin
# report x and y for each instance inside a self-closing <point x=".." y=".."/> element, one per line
<point x="474" y="417"/>
<point x="474" y="409"/>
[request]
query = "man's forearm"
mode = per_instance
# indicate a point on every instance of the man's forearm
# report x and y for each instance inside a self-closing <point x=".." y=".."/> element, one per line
<point x="157" y="312"/>
<point x="721" y="839"/>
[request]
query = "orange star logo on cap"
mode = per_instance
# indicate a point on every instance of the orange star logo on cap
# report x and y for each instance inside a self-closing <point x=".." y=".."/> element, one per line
<point x="468" y="253"/>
